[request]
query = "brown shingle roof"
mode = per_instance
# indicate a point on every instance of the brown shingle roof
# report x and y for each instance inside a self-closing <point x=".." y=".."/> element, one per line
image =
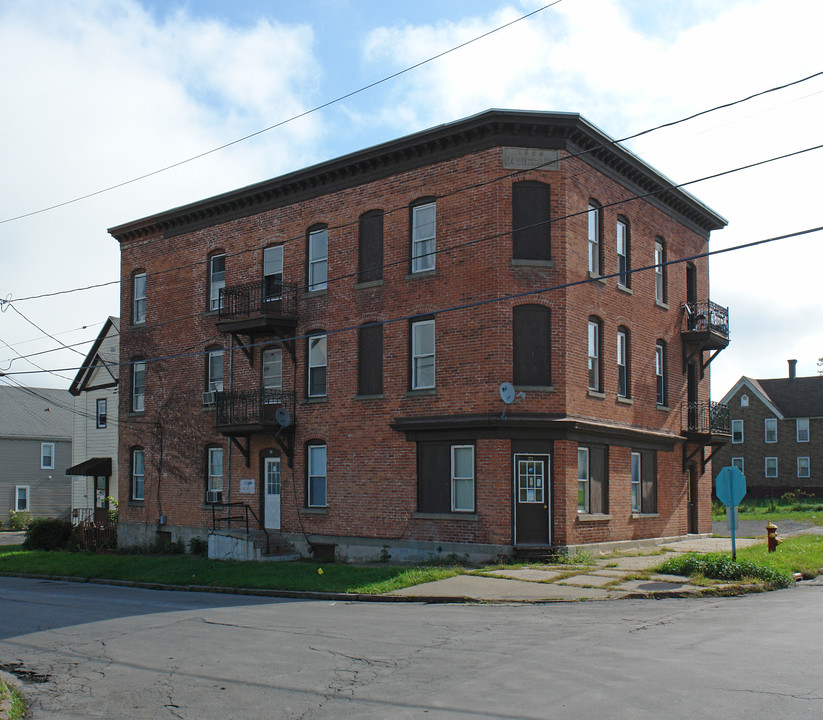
<point x="796" y="397"/>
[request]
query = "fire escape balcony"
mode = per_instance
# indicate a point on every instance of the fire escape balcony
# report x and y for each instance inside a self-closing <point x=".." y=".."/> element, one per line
<point x="261" y="307"/>
<point x="704" y="424"/>
<point x="705" y="329"/>
<point x="241" y="414"/>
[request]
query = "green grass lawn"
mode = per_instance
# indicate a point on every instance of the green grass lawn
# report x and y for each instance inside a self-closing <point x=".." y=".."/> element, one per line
<point x="192" y="570"/>
<point x="791" y="508"/>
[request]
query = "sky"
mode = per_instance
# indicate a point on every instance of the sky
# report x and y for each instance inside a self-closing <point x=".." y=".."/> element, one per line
<point x="96" y="93"/>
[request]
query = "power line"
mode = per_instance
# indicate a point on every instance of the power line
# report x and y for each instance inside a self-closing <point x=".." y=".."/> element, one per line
<point x="286" y="121"/>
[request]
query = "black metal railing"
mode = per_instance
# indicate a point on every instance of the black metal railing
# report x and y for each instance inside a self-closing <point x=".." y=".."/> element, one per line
<point x="234" y="512"/>
<point x="707" y="417"/>
<point x="253" y="407"/>
<point x="260" y="298"/>
<point x="706" y="316"/>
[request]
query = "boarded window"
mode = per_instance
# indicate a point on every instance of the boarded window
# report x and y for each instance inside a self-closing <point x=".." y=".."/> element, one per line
<point x="370" y="254"/>
<point x="649" y="482"/>
<point x="433" y="477"/>
<point x="531" y="352"/>
<point x="370" y="360"/>
<point x="598" y="479"/>
<point x="531" y="211"/>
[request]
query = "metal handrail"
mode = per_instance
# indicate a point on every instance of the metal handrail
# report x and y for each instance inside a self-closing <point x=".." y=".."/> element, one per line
<point x="245" y="517"/>
<point x="251" y="407"/>
<point x="707" y="417"/>
<point x="706" y="315"/>
<point x="259" y="297"/>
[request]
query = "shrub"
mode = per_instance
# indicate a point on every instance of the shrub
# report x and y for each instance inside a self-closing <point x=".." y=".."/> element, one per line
<point x="49" y="534"/>
<point x="199" y="546"/>
<point x="720" y="566"/>
<point x="19" y="520"/>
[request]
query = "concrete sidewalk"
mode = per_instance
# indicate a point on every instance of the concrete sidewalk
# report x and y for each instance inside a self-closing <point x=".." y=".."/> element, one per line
<point x="610" y="578"/>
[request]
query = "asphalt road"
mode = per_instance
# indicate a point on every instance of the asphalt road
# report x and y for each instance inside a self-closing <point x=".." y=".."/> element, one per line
<point x="92" y="651"/>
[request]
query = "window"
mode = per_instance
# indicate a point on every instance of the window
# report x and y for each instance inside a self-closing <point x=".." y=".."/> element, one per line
<point x="316" y="480"/>
<point x="101" y="412"/>
<point x="138" y="386"/>
<point x="659" y="271"/>
<point x="138" y="474"/>
<point x="582" y="480"/>
<point x="273" y="273"/>
<point x="370" y="359"/>
<point x="531" y="345"/>
<point x="622" y="229"/>
<point x="139" y="307"/>
<point x="594" y="238"/>
<point x="214" y="475"/>
<point x="623" y="384"/>
<point x="771" y="467"/>
<point x="770" y="435"/>
<point x="744" y="401"/>
<point x="637" y="477"/>
<point x="214" y="370"/>
<point x="370" y="247"/>
<point x="422" y="354"/>
<point x="644" y="481"/>
<point x="217" y="280"/>
<point x="462" y="478"/>
<point x="445" y="477"/>
<point x="593" y="352"/>
<point x="423" y="237"/>
<point x="47" y="456"/>
<point x="272" y="369"/>
<point x="660" y="372"/>
<point x="317" y="366"/>
<point x="592" y="473"/>
<point x="318" y="259"/>
<point x="803" y="467"/>
<point x="737" y="431"/>
<point x="531" y="215"/>
<point x="21" y="498"/>
<point x="802" y="429"/>
<point x="738" y="463"/>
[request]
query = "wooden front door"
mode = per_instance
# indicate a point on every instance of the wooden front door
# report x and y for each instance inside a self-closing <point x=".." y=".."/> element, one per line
<point x="692" y="483"/>
<point x="532" y="501"/>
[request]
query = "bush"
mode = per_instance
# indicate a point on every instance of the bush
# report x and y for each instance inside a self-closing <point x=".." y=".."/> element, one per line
<point x="720" y="566"/>
<point x="199" y="546"/>
<point x="19" y="520"/>
<point x="46" y="534"/>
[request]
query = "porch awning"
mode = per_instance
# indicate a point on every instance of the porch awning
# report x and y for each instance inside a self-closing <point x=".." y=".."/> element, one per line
<point x="92" y="467"/>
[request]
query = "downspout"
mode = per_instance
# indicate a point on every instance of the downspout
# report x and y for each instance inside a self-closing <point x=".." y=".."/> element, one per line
<point x="228" y="445"/>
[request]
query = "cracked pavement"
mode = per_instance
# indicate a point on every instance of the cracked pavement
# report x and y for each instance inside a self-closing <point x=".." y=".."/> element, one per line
<point x="114" y="652"/>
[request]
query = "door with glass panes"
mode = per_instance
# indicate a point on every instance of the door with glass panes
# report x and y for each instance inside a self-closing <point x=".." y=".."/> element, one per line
<point x="271" y="493"/>
<point x="532" y="501"/>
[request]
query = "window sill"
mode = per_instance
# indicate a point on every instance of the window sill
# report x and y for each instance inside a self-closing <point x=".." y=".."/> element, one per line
<point x="315" y="400"/>
<point x="663" y="408"/>
<point x="422" y="392"/>
<point x="135" y="413"/>
<point x="593" y="517"/>
<point x="369" y="397"/>
<point x="368" y="284"/>
<point x="136" y="503"/>
<point x="535" y="388"/>
<point x="597" y="277"/>
<point x="138" y="326"/>
<point x="642" y="516"/>
<point x="596" y="394"/>
<point x="314" y="293"/>
<point x="465" y="516"/>
<point x="661" y="305"/>
<point x="421" y="274"/>
<point x="526" y="262"/>
<point x="625" y="289"/>
<point x="624" y="400"/>
<point x="314" y="510"/>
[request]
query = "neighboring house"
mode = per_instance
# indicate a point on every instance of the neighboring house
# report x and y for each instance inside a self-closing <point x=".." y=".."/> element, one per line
<point x="777" y="434"/>
<point x="35" y="450"/>
<point x="94" y="468"/>
<point x="327" y="348"/>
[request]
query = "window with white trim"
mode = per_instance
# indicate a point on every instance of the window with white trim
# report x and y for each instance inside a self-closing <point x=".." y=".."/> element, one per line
<point x="803" y="467"/>
<point x="623" y="387"/>
<point x="214" y="370"/>
<point x="139" y="307"/>
<point x="273" y="273"/>
<point x="317" y="366"/>
<point x="47" y="456"/>
<point x="737" y="432"/>
<point x="738" y="463"/>
<point x="462" y="478"/>
<point x="622" y="231"/>
<point x="744" y="401"/>
<point x="318" y="259"/>
<point x="138" y="386"/>
<point x="102" y="419"/>
<point x="771" y="467"/>
<point x="422" y="354"/>
<point x="637" y="477"/>
<point x="802" y="429"/>
<point x="593" y="355"/>
<point x="21" y="498"/>
<point x="423" y="237"/>
<point x="272" y="368"/>
<point x="770" y="435"/>
<point x="660" y="372"/>
<point x="659" y="271"/>
<point x="217" y="280"/>
<point x="583" y="480"/>
<point x="138" y="474"/>
<point x="214" y="475"/>
<point x="316" y="479"/>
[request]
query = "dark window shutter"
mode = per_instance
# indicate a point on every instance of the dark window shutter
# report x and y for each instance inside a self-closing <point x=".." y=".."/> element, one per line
<point x="370" y="256"/>
<point x="649" y="482"/>
<point x="531" y="334"/>
<point x="598" y="479"/>
<point x="433" y="477"/>
<point x="370" y="360"/>
<point x="531" y="212"/>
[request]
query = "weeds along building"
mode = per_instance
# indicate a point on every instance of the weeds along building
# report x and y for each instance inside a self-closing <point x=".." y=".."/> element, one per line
<point x="325" y="351"/>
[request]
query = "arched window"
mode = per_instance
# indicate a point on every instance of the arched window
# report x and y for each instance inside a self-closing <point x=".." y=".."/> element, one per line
<point x="531" y="216"/>
<point x="623" y="363"/>
<point x="370" y="247"/>
<point x="594" y="353"/>
<point x="531" y="345"/>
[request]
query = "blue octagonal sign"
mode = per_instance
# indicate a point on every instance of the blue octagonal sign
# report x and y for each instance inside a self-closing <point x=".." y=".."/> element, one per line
<point x="730" y="486"/>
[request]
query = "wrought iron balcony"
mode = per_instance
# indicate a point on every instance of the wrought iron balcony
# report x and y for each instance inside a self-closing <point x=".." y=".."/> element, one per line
<point x="251" y="411"/>
<point x="706" y="418"/>
<point x="708" y="321"/>
<point x="258" y="306"/>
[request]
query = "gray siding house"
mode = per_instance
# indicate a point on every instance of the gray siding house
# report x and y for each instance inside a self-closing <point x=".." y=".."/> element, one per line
<point x="35" y="451"/>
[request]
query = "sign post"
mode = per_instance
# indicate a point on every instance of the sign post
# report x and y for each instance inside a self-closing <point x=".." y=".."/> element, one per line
<point x="730" y="488"/>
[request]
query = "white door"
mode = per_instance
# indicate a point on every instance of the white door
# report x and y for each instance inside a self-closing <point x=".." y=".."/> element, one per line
<point x="271" y="480"/>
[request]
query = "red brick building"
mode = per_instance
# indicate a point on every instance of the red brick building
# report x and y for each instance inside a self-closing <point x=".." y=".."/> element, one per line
<point x="327" y="348"/>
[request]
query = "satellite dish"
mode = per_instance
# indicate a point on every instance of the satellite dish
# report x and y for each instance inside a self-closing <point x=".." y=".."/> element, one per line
<point x="283" y="417"/>
<point x="507" y="393"/>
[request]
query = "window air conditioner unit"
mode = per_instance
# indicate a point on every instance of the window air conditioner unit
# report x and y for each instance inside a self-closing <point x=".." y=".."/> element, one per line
<point x="214" y="496"/>
<point x="209" y="398"/>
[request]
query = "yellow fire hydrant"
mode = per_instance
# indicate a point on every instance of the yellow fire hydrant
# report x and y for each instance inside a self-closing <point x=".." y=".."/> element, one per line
<point x="771" y="537"/>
